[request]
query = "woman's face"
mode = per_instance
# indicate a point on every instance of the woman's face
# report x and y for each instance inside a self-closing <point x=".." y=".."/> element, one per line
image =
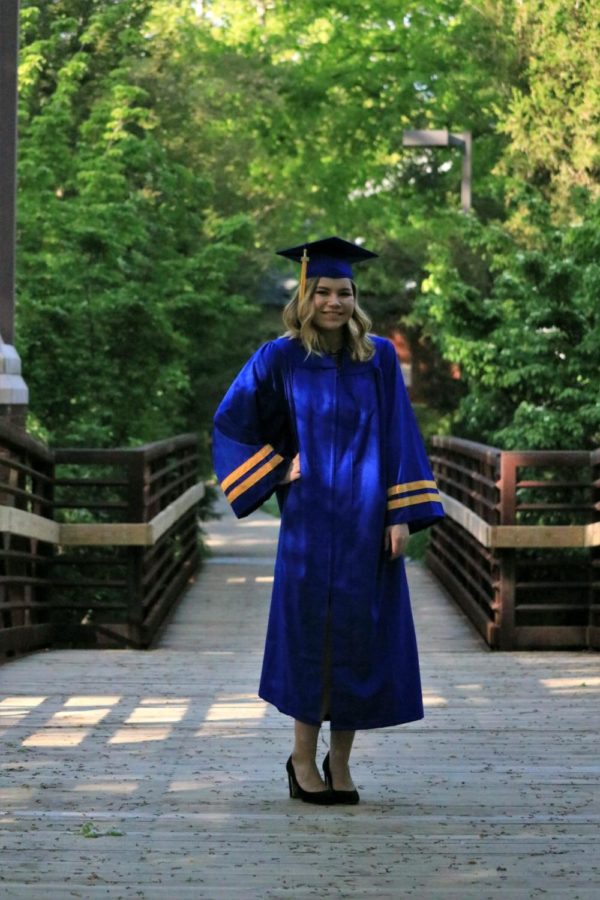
<point x="334" y="303"/>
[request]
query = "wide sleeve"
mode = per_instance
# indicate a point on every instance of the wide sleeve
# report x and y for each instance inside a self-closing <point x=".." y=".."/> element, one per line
<point x="412" y="494"/>
<point x="251" y="444"/>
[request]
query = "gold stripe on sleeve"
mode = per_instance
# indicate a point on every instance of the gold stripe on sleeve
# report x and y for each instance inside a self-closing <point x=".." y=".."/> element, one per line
<point x="246" y="466"/>
<point x="410" y="486"/>
<point x="256" y="476"/>
<point x="412" y="501"/>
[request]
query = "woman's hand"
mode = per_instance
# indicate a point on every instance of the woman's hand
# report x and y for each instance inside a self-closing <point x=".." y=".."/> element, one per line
<point x="293" y="472"/>
<point x="396" y="540"/>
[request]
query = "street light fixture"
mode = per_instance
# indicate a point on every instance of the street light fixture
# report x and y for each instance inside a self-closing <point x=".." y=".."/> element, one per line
<point x="443" y="138"/>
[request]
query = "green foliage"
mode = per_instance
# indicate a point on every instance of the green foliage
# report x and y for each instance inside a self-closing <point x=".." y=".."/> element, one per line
<point x="515" y="301"/>
<point x="128" y="281"/>
<point x="417" y="546"/>
<point x="90" y="830"/>
<point x="166" y="149"/>
<point x="553" y="119"/>
<point x="271" y="507"/>
<point x="431" y="421"/>
<point x="527" y="342"/>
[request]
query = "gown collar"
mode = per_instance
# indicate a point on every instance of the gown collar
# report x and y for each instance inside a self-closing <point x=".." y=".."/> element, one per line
<point x="328" y="360"/>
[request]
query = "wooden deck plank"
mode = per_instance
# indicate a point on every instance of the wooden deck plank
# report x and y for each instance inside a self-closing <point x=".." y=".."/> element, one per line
<point x="496" y="792"/>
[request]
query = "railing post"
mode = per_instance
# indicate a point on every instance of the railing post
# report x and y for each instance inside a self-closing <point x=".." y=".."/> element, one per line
<point x="507" y="558"/>
<point x="593" y="630"/>
<point x="135" y="555"/>
<point x="492" y="516"/>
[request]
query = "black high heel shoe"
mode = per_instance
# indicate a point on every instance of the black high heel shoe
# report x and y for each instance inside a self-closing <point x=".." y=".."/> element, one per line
<point x="298" y="793"/>
<point x="348" y="797"/>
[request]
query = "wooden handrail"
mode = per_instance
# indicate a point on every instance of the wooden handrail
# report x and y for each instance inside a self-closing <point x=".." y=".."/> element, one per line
<point x="15" y="438"/>
<point x="519" y="536"/>
<point x="468" y="448"/>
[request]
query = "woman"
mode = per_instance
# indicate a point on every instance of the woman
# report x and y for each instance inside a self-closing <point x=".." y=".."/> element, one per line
<point x="321" y="417"/>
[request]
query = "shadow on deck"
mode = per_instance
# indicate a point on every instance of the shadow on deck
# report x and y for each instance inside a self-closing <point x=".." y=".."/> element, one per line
<point x="175" y="768"/>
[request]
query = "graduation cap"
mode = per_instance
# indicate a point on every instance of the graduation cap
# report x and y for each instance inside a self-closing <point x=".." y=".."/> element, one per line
<point x="330" y="258"/>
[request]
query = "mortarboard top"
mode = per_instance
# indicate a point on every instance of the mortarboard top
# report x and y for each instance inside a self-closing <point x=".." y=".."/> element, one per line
<point x="330" y="258"/>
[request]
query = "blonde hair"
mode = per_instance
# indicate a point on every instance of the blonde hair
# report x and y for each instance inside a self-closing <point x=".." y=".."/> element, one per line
<point x="298" y="317"/>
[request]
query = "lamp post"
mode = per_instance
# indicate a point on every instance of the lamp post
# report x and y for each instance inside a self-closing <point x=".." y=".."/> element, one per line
<point x="443" y="138"/>
<point x="13" y="390"/>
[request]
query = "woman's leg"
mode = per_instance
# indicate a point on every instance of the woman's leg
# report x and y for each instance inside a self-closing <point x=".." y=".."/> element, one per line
<point x="304" y="756"/>
<point x="339" y="756"/>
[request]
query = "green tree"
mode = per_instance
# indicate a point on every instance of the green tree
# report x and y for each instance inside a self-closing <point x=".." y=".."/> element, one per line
<point x="514" y="301"/>
<point x="127" y="278"/>
<point x="553" y="119"/>
<point x="524" y="326"/>
<point x="167" y="148"/>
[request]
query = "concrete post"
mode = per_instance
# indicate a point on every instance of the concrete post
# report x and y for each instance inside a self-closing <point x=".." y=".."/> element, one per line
<point x="13" y="390"/>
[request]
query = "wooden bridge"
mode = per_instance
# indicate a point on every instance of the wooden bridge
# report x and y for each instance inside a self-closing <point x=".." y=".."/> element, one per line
<point x="159" y="774"/>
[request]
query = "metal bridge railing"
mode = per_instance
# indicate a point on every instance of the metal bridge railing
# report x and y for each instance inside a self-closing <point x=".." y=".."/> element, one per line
<point x="97" y="545"/>
<point x="519" y="547"/>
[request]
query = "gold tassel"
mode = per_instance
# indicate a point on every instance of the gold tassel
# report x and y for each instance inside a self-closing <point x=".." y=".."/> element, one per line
<point x="302" y="288"/>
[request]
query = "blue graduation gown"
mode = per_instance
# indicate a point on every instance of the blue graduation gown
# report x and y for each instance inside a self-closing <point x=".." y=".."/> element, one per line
<point x="363" y="466"/>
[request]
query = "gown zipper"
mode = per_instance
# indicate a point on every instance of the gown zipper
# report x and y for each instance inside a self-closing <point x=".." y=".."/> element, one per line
<point x="333" y="477"/>
<point x="327" y="685"/>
